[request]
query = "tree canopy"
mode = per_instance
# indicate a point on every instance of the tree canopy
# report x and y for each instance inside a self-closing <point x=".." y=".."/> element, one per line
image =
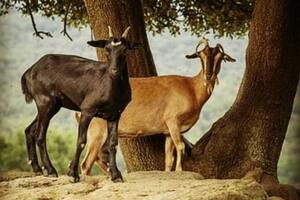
<point x="222" y="17"/>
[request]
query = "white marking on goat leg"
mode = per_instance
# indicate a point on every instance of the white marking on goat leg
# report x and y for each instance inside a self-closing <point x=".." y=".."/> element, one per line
<point x="82" y="145"/>
<point x="43" y="167"/>
<point x="29" y="162"/>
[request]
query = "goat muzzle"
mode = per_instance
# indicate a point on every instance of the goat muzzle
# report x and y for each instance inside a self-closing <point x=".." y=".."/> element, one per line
<point x="114" y="72"/>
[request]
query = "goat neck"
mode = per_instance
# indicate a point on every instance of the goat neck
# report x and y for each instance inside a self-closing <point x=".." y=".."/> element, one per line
<point x="203" y="88"/>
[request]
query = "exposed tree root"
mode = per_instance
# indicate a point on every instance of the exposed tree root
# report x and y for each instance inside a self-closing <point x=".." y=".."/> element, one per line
<point x="272" y="185"/>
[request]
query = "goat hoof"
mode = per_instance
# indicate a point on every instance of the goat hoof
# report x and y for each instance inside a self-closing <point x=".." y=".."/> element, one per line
<point x="38" y="173"/>
<point x="52" y="173"/>
<point x="76" y="179"/>
<point x="37" y="170"/>
<point x="75" y="176"/>
<point x="117" y="178"/>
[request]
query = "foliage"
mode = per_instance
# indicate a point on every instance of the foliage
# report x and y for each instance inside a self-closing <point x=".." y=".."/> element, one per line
<point x="70" y="12"/>
<point x="223" y="18"/>
<point x="14" y="155"/>
<point x="61" y="148"/>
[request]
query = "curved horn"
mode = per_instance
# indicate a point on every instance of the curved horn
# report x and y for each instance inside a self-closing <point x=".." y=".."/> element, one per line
<point x="202" y="41"/>
<point x="220" y="47"/>
<point x="124" y="35"/>
<point x="110" y="34"/>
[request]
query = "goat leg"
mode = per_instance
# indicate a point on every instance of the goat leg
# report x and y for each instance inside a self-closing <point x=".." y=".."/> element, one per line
<point x="43" y="124"/>
<point x="103" y="158"/>
<point x="81" y="142"/>
<point x="169" y="157"/>
<point x="112" y="126"/>
<point x="177" y="139"/>
<point x="30" y="133"/>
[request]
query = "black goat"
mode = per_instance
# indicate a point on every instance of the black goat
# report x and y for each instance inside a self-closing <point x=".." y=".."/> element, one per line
<point x="97" y="89"/>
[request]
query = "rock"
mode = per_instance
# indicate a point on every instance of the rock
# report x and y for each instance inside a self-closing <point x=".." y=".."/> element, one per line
<point x="138" y="185"/>
<point x="11" y="175"/>
<point x="275" y="198"/>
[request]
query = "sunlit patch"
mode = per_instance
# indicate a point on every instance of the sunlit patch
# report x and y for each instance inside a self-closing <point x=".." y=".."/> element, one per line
<point x="204" y="59"/>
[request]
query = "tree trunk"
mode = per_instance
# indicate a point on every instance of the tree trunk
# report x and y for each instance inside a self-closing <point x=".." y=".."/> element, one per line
<point x="145" y="153"/>
<point x="250" y="135"/>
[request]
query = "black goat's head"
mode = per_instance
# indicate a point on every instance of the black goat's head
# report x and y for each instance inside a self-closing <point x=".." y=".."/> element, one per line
<point x="116" y="50"/>
<point x="211" y="58"/>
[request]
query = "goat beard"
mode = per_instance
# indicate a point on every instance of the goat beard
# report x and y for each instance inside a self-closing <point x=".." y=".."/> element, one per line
<point x="210" y="84"/>
<point x="210" y="87"/>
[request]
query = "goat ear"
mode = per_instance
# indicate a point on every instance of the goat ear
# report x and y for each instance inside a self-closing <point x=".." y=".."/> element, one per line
<point x="135" y="45"/>
<point x="194" y="55"/>
<point x="228" y="58"/>
<point x="98" y="43"/>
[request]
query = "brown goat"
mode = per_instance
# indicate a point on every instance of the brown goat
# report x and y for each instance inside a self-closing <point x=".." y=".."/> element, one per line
<point x="166" y="104"/>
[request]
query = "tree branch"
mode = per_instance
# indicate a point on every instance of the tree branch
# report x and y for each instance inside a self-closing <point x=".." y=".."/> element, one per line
<point x="64" y="31"/>
<point x="36" y="31"/>
<point x="242" y="8"/>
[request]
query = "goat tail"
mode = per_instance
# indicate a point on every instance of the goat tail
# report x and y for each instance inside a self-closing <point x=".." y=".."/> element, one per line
<point x="28" y="95"/>
<point x="77" y="116"/>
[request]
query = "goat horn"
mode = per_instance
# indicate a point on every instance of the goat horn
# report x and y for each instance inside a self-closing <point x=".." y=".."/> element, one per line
<point x="220" y="47"/>
<point x="202" y="41"/>
<point x="124" y="35"/>
<point x="110" y="34"/>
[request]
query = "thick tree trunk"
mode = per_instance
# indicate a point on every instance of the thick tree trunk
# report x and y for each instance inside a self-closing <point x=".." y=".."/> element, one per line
<point x="145" y="153"/>
<point x="250" y="135"/>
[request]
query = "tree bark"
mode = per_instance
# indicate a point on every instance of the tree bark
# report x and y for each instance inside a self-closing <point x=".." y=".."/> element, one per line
<point x="146" y="153"/>
<point x="250" y="135"/>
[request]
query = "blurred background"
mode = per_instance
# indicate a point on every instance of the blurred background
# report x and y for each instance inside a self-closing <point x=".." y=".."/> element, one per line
<point x="19" y="49"/>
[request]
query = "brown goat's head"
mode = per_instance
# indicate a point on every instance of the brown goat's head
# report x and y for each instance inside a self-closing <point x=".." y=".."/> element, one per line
<point x="115" y="50"/>
<point x="211" y="58"/>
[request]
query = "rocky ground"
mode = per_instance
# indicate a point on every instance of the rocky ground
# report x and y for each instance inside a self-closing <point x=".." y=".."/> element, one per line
<point x="154" y="185"/>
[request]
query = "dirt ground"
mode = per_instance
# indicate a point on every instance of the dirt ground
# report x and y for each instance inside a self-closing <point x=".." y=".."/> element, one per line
<point x="154" y="185"/>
